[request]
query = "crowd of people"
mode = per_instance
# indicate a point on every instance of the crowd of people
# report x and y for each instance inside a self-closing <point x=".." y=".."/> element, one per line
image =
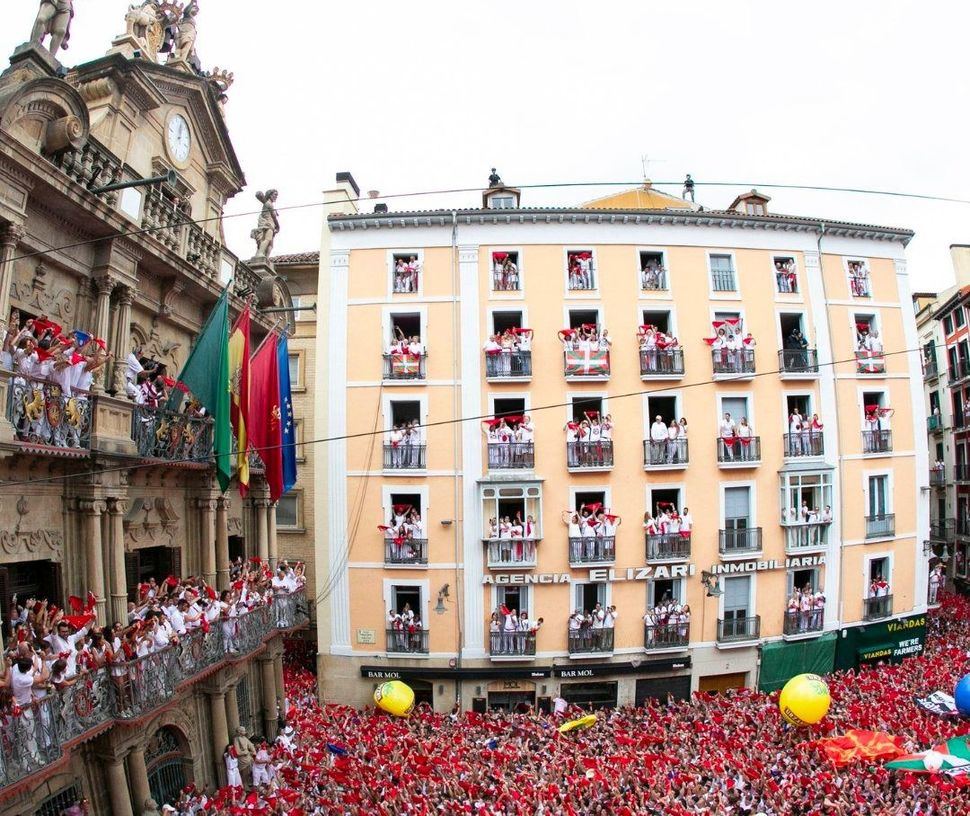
<point x="809" y="524"/>
<point x="668" y="441"/>
<point x="507" y="353"/>
<point x="658" y="351"/>
<point x="511" y="441"/>
<point x="591" y="531"/>
<point x="404" y="630"/>
<point x="725" y="753"/>
<point x="407" y="275"/>
<point x="512" y="539"/>
<point x="859" y="279"/>
<point x="736" y="440"/>
<point x="667" y="624"/>
<point x="653" y="276"/>
<point x="512" y="632"/>
<point x="405" y="535"/>
<point x="50" y="649"/>
<point x="587" y="337"/>
<point x="869" y="350"/>
<point x="804" y="435"/>
<point x="786" y="278"/>
<point x="580" y="270"/>
<point x="733" y="351"/>
<point x="406" y="445"/>
<point x="505" y="272"/>
<point x="806" y="610"/>
<point x="589" y="442"/>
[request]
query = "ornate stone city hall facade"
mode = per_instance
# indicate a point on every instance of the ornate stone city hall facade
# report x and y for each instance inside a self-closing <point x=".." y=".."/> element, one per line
<point x="95" y="492"/>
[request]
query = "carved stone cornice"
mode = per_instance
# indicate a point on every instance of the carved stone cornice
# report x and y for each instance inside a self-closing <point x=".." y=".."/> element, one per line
<point x="12" y="234"/>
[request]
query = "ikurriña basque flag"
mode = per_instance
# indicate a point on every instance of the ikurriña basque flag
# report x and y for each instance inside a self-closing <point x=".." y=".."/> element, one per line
<point x="288" y="429"/>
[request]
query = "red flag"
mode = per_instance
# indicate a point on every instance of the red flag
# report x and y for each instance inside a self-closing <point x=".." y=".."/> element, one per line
<point x="264" y="414"/>
<point x="76" y="604"/>
<point x="239" y="380"/>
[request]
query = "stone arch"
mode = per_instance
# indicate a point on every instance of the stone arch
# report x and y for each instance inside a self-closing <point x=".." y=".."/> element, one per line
<point x="139" y="337"/>
<point x="168" y="761"/>
<point x="47" y="115"/>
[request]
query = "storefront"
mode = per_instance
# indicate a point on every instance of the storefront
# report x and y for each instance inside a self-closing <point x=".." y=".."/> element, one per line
<point x="590" y="696"/>
<point x="883" y="642"/>
<point x="659" y="688"/>
<point x="511" y="695"/>
<point x="781" y="661"/>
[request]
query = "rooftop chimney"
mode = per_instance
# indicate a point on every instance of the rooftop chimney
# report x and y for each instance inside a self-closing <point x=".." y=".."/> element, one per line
<point x="349" y="179"/>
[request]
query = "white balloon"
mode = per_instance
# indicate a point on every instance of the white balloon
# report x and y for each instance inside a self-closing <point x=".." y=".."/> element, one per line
<point x="933" y="760"/>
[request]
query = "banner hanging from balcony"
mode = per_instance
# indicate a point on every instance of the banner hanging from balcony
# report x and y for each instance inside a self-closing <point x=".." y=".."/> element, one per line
<point x="206" y="376"/>
<point x="265" y="433"/>
<point x="405" y="365"/>
<point x="288" y="431"/>
<point x="587" y="363"/>
<point x="239" y="383"/>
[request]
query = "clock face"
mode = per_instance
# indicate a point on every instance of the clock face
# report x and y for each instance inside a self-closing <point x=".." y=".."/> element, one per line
<point x="179" y="138"/>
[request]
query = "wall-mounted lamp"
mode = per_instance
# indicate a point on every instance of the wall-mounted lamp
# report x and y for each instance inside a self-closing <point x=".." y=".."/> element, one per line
<point x="709" y="580"/>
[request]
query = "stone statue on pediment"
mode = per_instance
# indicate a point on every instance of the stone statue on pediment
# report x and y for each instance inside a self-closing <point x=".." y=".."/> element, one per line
<point x="268" y="225"/>
<point x="187" y="35"/>
<point x="53" y="20"/>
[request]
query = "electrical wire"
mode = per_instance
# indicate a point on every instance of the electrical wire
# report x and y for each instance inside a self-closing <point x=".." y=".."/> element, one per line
<point x="456" y="190"/>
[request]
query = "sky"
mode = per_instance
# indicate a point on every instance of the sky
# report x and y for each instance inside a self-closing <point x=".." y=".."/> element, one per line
<point x="430" y="95"/>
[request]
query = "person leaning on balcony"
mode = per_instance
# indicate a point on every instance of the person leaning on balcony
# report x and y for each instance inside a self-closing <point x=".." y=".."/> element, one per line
<point x="795" y="426"/>
<point x="745" y="435"/>
<point x="658" y="440"/>
<point x="509" y="630"/>
<point x="726" y="431"/>
<point x="650" y="625"/>
<point x="673" y="442"/>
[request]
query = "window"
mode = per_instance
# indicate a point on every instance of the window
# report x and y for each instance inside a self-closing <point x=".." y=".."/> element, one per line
<point x="405" y="411"/>
<point x="722" y="273"/>
<point x="660" y="320"/>
<point x="583" y="317"/>
<point x="512" y="501"/>
<point x="295" y="369"/>
<point x="588" y="595"/>
<point x="878" y="495"/>
<point x="801" y="492"/>
<point x="405" y="325"/>
<point x="958" y="318"/>
<point x="786" y="276"/>
<point x="501" y="202"/>
<point x="406" y="597"/>
<point x="506" y="275"/>
<point x="406" y="268"/>
<point x="737" y="597"/>
<point x="584" y="407"/>
<point x="504" y="321"/>
<point x="513" y="597"/>
<point x="948" y="325"/>
<point x="799" y="579"/>
<point x="653" y="271"/>
<point x="580" y="270"/>
<point x="879" y="568"/>
<point x="663" y="591"/>
<point x="737" y="508"/>
<point x="288" y="512"/>
<point x="752" y="208"/>
<point x="858" y="278"/>
<point x="298" y="436"/>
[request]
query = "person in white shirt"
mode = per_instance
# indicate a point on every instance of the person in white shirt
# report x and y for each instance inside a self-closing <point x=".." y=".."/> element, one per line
<point x="745" y="435"/>
<point x="62" y="642"/>
<point x="795" y="422"/>
<point x="674" y="446"/>
<point x="509" y="631"/>
<point x="658" y="440"/>
<point x="936" y="581"/>
<point x="726" y="431"/>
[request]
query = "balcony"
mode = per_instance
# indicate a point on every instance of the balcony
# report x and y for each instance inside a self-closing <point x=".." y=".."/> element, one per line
<point x="796" y="364"/>
<point x="869" y="362"/>
<point x="943" y="531"/>
<point x="739" y="542"/>
<point x="882" y="525"/>
<point x="733" y="363"/>
<point x="959" y="371"/>
<point x="403" y="642"/>
<point x="37" y="735"/>
<point x="722" y="280"/>
<point x="508" y="365"/>
<point x="664" y="636"/>
<point x="406" y="552"/>
<point x="938" y="477"/>
<point x="512" y="645"/>
<point x="170" y="436"/>
<point x="509" y="553"/>
<point x="961" y="473"/>
<point x="586" y="366"/>
<point x="801" y="538"/>
<point x="667" y="454"/>
<point x="404" y="367"/>
<point x="803" y="624"/>
<point x="42" y="416"/>
<point x="934" y="423"/>
<point x="592" y="550"/>
<point x="739" y="452"/>
<point x="92" y="165"/>
<point x="668" y="547"/>
<point x="653" y="280"/>
<point x="579" y="281"/>
<point x="405" y="457"/>
<point x="859" y="286"/>
<point x="877" y="608"/>
<point x="583" y="456"/>
<point x="590" y="642"/>
<point x="511" y="456"/>
<point x="738" y="630"/>
<point x="877" y="441"/>
<point x="930" y="369"/>
<point x="661" y="364"/>
<point x="805" y="443"/>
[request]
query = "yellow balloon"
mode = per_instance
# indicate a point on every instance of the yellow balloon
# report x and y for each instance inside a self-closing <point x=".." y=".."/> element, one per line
<point x="395" y="698"/>
<point x="578" y="725"/>
<point x="804" y="700"/>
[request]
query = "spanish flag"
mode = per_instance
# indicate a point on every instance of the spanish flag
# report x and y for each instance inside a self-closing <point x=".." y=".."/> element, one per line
<point x="239" y="383"/>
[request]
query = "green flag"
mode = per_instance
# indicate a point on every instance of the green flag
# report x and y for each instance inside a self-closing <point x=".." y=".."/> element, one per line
<point x="206" y="376"/>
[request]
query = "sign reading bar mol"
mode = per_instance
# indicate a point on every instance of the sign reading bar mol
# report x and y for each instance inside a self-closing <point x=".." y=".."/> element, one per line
<point x="610" y="576"/>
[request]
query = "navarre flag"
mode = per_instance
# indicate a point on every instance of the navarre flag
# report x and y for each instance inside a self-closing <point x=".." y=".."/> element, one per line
<point x="587" y="363"/>
<point x="206" y="376"/>
<point x="288" y="431"/>
<point x="239" y="395"/>
<point x="265" y="417"/>
<point x="952" y="757"/>
<point x="857" y="745"/>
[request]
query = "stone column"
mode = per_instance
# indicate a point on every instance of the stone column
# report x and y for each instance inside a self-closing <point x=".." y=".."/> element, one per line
<point x="122" y="340"/>
<point x="102" y="312"/>
<point x="138" y="778"/>
<point x="274" y="545"/>
<point x="118" y="788"/>
<point x="278" y="671"/>
<point x="119" y="582"/>
<point x="94" y="552"/>
<point x="220" y="733"/>
<point x="262" y="530"/>
<point x="232" y="711"/>
<point x="222" y="543"/>
<point x="10" y="237"/>
<point x="269" y="697"/>
<point x="207" y="539"/>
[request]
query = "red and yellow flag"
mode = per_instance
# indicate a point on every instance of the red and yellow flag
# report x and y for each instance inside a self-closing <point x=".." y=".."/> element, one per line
<point x="239" y="403"/>
<point x="857" y="745"/>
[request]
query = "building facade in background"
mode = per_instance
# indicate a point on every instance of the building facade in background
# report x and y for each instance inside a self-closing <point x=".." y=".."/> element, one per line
<point x="758" y="374"/>
<point x="99" y="493"/>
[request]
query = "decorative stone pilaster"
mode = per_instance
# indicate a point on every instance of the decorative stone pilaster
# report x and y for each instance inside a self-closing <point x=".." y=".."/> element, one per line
<point x="220" y="733"/>
<point x="117" y="507"/>
<point x="232" y="711"/>
<point x="118" y="787"/>
<point x="91" y="512"/>
<point x="262" y="528"/>
<point x="138" y="778"/>
<point x="268" y="673"/>
<point x="207" y="539"/>
<point x="122" y="339"/>
<point x="274" y="547"/>
<point x="222" y="542"/>
<point x="10" y="237"/>
<point x="102" y="312"/>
